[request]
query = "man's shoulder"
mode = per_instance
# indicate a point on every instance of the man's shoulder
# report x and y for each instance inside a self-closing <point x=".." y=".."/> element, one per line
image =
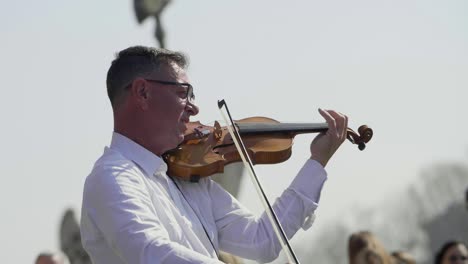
<point x="113" y="164"/>
<point x="110" y="158"/>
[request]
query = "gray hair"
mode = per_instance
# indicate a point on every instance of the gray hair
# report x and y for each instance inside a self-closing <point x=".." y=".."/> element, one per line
<point x="138" y="61"/>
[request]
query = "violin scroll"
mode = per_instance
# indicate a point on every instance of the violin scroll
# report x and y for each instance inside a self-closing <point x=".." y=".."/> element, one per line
<point x="363" y="136"/>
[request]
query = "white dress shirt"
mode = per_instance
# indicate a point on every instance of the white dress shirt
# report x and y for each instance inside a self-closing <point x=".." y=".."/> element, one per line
<point x="132" y="212"/>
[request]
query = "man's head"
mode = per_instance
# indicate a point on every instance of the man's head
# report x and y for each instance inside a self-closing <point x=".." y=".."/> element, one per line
<point x="151" y="96"/>
<point x="138" y="61"/>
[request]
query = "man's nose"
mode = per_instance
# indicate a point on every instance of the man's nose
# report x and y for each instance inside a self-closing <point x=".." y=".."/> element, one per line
<point x="192" y="108"/>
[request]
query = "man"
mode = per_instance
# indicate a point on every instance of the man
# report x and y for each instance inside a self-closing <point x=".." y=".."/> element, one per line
<point x="133" y="212"/>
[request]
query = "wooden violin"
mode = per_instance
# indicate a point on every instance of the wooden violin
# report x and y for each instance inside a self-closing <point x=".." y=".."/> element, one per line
<point x="207" y="149"/>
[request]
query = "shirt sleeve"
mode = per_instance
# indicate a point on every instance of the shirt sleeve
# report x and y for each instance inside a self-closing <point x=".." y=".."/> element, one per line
<point x="118" y="204"/>
<point x="243" y="234"/>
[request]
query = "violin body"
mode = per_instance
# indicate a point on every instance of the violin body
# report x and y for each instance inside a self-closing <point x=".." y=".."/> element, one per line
<point x="206" y="150"/>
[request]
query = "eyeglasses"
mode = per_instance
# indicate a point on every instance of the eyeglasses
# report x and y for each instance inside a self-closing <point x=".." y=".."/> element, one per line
<point x="189" y="95"/>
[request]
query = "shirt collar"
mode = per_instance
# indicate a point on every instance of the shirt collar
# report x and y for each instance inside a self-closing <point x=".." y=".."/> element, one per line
<point x="144" y="158"/>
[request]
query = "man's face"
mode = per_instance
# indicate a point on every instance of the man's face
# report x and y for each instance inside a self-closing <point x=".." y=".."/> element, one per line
<point x="168" y="111"/>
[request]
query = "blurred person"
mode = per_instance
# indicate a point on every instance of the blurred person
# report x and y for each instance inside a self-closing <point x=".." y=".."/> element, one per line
<point x="70" y="239"/>
<point x="400" y="257"/>
<point x="132" y="212"/>
<point x="452" y="252"/>
<point x="466" y="199"/>
<point x="51" y="258"/>
<point x="365" y="248"/>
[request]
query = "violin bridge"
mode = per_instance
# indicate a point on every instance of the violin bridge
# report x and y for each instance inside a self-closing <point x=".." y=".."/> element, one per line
<point x="218" y="132"/>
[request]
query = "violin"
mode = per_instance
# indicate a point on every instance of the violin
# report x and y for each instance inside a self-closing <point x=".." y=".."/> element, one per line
<point x="205" y="150"/>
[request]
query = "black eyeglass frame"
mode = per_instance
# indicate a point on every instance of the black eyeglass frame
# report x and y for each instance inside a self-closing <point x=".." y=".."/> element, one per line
<point x="190" y="96"/>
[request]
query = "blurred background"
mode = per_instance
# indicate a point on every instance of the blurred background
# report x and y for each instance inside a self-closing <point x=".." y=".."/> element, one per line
<point x="399" y="66"/>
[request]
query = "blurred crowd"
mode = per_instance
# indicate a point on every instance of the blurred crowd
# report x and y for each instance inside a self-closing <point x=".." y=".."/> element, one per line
<point x="365" y="248"/>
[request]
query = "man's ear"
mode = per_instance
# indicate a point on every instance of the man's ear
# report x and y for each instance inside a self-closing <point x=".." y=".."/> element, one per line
<point x="140" y="93"/>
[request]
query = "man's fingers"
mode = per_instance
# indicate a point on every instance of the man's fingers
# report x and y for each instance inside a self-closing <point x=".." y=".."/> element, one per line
<point x="339" y="121"/>
<point x="329" y="119"/>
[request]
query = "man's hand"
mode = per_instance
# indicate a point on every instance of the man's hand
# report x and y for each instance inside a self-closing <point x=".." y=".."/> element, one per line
<point x="325" y="144"/>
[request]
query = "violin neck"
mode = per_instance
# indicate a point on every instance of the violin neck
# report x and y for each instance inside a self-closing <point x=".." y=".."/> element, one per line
<point x="284" y="128"/>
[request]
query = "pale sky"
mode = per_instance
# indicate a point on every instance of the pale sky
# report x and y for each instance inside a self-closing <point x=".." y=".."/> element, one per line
<point x="398" y="66"/>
